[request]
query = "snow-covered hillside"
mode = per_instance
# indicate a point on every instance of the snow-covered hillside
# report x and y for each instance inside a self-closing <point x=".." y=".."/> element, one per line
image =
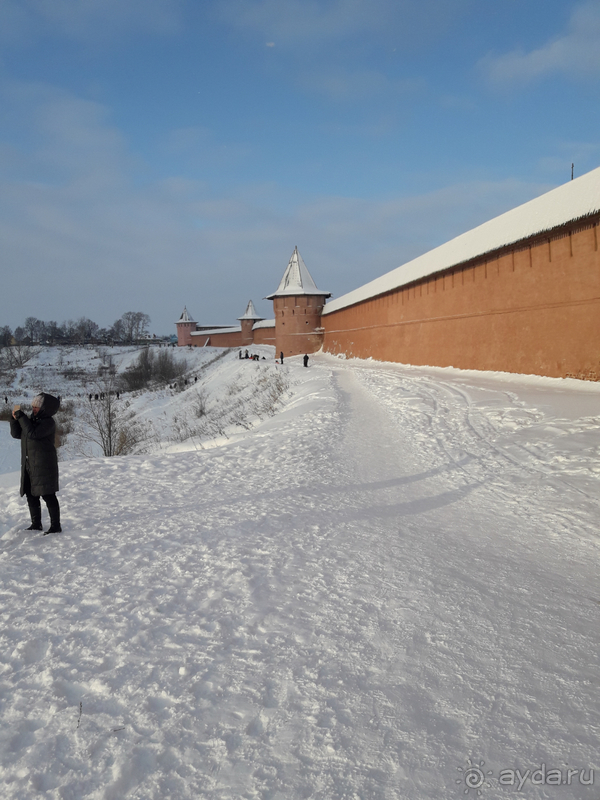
<point x="387" y="589"/>
<point x="215" y="399"/>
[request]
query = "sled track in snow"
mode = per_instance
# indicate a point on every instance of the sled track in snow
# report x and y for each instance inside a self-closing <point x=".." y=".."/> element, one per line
<point x="447" y="425"/>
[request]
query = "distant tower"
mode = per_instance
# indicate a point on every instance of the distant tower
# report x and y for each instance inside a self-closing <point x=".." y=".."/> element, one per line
<point x="185" y="325"/>
<point x="247" y="320"/>
<point x="298" y="305"/>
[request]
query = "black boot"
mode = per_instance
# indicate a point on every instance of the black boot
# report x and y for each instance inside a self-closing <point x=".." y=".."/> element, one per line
<point x="54" y="511"/>
<point x="36" y="514"/>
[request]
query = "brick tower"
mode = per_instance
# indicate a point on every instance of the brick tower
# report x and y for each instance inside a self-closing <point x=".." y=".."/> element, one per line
<point x="298" y="305"/>
<point x="247" y="320"/>
<point x="185" y="325"/>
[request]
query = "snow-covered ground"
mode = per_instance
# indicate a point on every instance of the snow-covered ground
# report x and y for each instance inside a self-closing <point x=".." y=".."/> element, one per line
<point x="388" y="589"/>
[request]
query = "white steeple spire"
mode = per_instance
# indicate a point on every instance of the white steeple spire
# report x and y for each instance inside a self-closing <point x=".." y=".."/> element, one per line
<point x="250" y="312"/>
<point x="297" y="280"/>
<point x="185" y="316"/>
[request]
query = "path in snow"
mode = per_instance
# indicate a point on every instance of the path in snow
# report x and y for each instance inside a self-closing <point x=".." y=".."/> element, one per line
<point x="348" y="603"/>
<point x="496" y="563"/>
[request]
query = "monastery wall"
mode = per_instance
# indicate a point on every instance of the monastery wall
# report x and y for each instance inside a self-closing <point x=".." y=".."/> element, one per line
<point x="264" y="335"/>
<point x="530" y="308"/>
<point x="230" y="339"/>
<point x="233" y="338"/>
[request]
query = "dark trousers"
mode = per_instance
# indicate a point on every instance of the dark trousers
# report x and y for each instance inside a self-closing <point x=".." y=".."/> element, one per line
<point x="35" y="507"/>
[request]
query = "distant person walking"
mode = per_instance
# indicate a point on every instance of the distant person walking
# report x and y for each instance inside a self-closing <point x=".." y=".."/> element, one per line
<point x="305" y="360"/>
<point x="281" y="357"/>
<point x="39" y="462"/>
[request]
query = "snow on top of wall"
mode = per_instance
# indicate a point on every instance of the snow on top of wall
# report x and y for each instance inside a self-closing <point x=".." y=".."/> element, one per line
<point x="574" y="200"/>
<point x="264" y="323"/>
<point x="236" y="329"/>
<point x="297" y="280"/>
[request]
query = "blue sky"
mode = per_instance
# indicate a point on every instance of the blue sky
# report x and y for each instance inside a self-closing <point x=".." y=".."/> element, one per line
<point x="156" y="153"/>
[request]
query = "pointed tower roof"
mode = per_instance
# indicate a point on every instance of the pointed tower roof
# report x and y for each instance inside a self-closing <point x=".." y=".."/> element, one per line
<point x="185" y="316"/>
<point x="297" y="280"/>
<point x="250" y="312"/>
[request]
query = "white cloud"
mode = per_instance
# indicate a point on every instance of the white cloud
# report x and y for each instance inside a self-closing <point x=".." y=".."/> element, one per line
<point x="345" y="85"/>
<point x="199" y="148"/>
<point x="82" y="235"/>
<point x="309" y="23"/>
<point x="64" y="138"/>
<point x="329" y="45"/>
<point x="292" y="20"/>
<point x="576" y="52"/>
<point x="29" y="20"/>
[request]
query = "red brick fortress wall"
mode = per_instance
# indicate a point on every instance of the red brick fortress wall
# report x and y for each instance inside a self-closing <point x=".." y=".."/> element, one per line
<point x="298" y="324"/>
<point x="247" y="336"/>
<point x="234" y="338"/>
<point x="184" y="330"/>
<point x="264" y="336"/>
<point x="231" y="339"/>
<point x="531" y="308"/>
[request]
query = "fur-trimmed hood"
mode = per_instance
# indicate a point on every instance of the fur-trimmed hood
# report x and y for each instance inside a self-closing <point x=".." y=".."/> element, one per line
<point x="50" y="406"/>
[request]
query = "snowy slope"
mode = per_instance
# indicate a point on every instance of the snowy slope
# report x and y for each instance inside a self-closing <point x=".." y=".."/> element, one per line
<point x="70" y="371"/>
<point x="394" y="574"/>
<point x="10" y="450"/>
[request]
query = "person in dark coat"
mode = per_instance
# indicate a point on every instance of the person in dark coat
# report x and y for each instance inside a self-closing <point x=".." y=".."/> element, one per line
<point x="39" y="461"/>
<point x="305" y="360"/>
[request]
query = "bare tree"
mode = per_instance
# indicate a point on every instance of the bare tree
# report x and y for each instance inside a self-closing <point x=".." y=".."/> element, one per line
<point x="134" y="325"/>
<point x="5" y="336"/>
<point x="32" y="328"/>
<point x="68" y="330"/>
<point x="53" y="332"/>
<point x="17" y="355"/>
<point x="103" y="335"/>
<point x="152" y="367"/>
<point x="117" y="331"/>
<point x="106" y="423"/>
<point x="85" y="329"/>
<point x="167" y="368"/>
<point x="41" y="331"/>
